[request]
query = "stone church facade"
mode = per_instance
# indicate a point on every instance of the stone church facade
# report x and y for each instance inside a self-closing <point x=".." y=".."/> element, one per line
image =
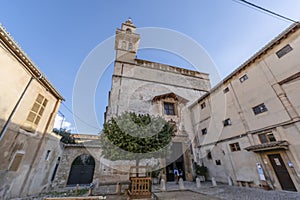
<point x="148" y="87"/>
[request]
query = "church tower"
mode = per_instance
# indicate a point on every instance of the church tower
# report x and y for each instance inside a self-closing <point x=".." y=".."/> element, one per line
<point x="127" y="42"/>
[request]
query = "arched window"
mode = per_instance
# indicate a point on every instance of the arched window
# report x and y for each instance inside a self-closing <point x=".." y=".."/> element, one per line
<point x="130" y="47"/>
<point x="123" y="45"/>
<point x="128" y="30"/>
<point x="82" y="170"/>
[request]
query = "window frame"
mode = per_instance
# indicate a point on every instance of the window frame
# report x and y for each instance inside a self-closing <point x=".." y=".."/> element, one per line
<point x="204" y="131"/>
<point x="261" y="108"/>
<point x="227" y="122"/>
<point x="264" y="137"/>
<point x="12" y="163"/>
<point x="208" y="155"/>
<point x="225" y="90"/>
<point x="124" y="45"/>
<point x="36" y="113"/>
<point x="243" y="78"/>
<point x="167" y="111"/>
<point x="203" y="105"/>
<point x="130" y="47"/>
<point x="284" y="50"/>
<point x="48" y="153"/>
<point x="235" y="146"/>
<point x="218" y="162"/>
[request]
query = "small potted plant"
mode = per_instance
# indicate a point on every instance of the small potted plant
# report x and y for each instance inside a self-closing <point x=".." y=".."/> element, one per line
<point x="201" y="171"/>
<point x="155" y="176"/>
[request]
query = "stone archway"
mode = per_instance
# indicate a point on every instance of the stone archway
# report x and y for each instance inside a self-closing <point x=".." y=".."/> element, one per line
<point x="82" y="170"/>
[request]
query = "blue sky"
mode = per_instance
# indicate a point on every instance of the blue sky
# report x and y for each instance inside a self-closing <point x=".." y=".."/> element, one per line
<point x="59" y="34"/>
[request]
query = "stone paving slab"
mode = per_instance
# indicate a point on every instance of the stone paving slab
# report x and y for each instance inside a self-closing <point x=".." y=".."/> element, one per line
<point x="182" y="195"/>
<point x="205" y="192"/>
<point x="230" y="192"/>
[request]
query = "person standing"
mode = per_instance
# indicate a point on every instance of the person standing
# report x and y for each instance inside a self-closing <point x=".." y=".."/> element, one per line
<point x="176" y="174"/>
<point x="180" y="173"/>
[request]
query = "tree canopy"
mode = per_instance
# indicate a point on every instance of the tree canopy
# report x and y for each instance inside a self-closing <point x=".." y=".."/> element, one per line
<point x="132" y="136"/>
<point x="66" y="136"/>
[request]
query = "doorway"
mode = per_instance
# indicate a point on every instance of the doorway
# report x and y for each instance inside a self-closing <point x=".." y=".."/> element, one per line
<point x="82" y="170"/>
<point x="281" y="172"/>
<point x="179" y="164"/>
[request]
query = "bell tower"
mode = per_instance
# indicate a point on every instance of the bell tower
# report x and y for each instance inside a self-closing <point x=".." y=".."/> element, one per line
<point x="127" y="42"/>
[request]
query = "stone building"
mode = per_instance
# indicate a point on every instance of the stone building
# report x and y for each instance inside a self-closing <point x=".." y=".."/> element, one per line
<point x="79" y="164"/>
<point x="28" y="106"/>
<point x="82" y="163"/>
<point x="247" y="127"/>
<point x="143" y="86"/>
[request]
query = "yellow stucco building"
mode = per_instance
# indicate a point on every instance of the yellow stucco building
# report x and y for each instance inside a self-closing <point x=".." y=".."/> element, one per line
<point x="28" y="106"/>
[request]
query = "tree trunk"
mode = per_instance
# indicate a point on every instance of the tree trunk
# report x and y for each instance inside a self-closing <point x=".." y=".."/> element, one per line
<point x="137" y="162"/>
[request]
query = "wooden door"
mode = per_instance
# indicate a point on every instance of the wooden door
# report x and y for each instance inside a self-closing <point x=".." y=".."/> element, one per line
<point x="282" y="172"/>
<point x="82" y="170"/>
<point x="170" y="172"/>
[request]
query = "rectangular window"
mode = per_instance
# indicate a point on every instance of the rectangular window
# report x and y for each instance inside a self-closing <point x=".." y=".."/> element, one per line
<point x="218" y="162"/>
<point x="209" y="156"/>
<point x="243" y="78"/>
<point x="286" y="49"/>
<point x="47" y="155"/>
<point x="235" y="147"/>
<point x="203" y="105"/>
<point x="36" y="112"/>
<point x="55" y="169"/>
<point x="14" y="166"/>
<point x="204" y="131"/>
<point x="130" y="47"/>
<point x="267" y="137"/>
<point x="169" y="108"/>
<point x="259" y="109"/>
<point x="226" y="90"/>
<point x="124" y="45"/>
<point x="227" y="122"/>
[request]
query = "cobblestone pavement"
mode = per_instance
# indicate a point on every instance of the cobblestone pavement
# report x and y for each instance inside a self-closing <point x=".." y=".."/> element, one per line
<point x="182" y="195"/>
<point x="227" y="192"/>
<point x="205" y="192"/>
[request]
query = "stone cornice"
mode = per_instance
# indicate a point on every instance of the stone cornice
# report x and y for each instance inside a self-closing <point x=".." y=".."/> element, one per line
<point x="172" y="69"/>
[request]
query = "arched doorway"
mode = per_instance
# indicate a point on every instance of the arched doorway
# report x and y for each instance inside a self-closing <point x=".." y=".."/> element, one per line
<point x="82" y="170"/>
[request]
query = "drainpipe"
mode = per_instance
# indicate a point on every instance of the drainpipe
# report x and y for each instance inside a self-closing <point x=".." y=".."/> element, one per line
<point x="5" y="127"/>
<point x="38" y="149"/>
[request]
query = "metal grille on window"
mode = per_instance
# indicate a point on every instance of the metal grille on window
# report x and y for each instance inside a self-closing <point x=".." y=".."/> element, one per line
<point x="259" y="109"/>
